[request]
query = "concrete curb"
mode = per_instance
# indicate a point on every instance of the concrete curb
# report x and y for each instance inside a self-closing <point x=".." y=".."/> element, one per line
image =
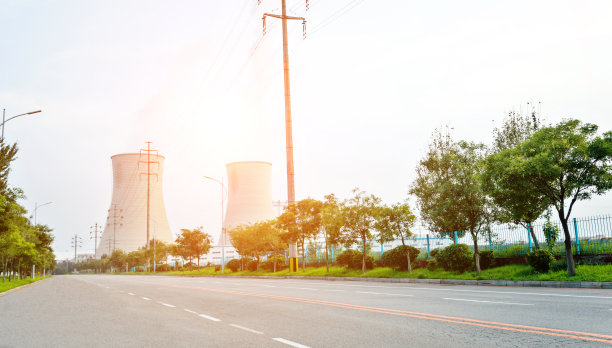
<point x="513" y="283"/>
<point x="21" y="287"/>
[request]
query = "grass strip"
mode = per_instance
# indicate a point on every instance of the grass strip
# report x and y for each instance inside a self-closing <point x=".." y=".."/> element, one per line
<point x="589" y="273"/>
<point x="8" y="285"/>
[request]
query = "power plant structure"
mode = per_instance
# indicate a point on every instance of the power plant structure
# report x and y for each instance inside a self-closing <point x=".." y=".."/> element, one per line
<point x="137" y="213"/>
<point x="249" y="195"/>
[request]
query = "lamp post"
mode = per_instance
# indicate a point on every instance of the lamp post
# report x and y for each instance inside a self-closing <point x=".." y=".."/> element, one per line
<point x="222" y="229"/>
<point x="10" y="118"/>
<point x="36" y="206"/>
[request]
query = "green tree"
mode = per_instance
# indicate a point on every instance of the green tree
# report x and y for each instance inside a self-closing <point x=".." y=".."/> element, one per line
<point x="359" y="218"/>
<point x="395" y="222"/>
<point x="513" y="196"/>
<point x="449" y="191"/>
<point x="194" y="242"/>
<point x="332" y="221"/>
<point x="566" y="163"/>
<point x="301" y="221"/>
<point x="118" y="259"/>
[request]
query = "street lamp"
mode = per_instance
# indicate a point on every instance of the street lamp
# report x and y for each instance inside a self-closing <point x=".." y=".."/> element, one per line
<point x="222" y="229"/>
<point x="10" y="118"/>
<point x="36" y="206"/>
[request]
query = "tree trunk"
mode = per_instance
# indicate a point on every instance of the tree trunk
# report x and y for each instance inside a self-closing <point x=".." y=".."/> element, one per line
<point x="363" y="256"/>
<point x="476" y="256"/>
<point x="274" y="263"/>
<point x="571" y="268"/>
<point x="257" y="263"/>
<point x="326" y="255"/>
<point x="303" y="258"/>
<point x="407" y="256"/>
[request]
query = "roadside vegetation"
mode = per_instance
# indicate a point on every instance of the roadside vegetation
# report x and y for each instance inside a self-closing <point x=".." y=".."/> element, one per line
<point x="23" y="243"/>
<point x="461" y="189"/>
<point x="17" y="283"/>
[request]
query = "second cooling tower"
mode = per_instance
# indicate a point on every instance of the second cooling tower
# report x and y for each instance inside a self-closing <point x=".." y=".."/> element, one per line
<point x="249" y="197"/>
<point x="126" y="224"/>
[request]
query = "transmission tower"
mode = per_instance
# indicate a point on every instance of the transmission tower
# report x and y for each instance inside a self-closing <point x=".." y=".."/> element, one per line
<point x="93" y="234"/>
<point x="293" y="255"/>
<point x="75" y="242"/>
<point x="148" y="173"/>
<point x="116" y="221"/>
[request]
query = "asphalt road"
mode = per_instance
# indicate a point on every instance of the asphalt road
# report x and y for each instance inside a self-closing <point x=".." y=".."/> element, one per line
<point x="164" y="311"/>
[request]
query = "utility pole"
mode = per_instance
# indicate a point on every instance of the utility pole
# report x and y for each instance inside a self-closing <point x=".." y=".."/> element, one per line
<point x="293" y="259"/>
<point x="148" y="173"/>
<point x="109" y="242"/>
<point x="95" y="237"/>
<point x="76" y="241"/>
<point x="114" y="223"/>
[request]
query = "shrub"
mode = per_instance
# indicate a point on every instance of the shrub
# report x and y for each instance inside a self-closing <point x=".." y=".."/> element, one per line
<point x="268" y="265"/>
<point x="432" y="265"/>
<point x="486" y="258"/>
<point x="540" y="260"/>
<point x="434" y="252"/>
<point x="456" y="258"/>
<point x="233" y="264"/>
<point x="162" y="268"/>
<point x="396" y="257"/>
<point x="251" y="265"/>
<point x="551" y="233"/>
<point x="353" y="259"/>
<point x="558" y="265"/>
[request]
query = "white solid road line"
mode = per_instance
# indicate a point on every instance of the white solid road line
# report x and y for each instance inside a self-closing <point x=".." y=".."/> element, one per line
<point x="247" y="329"/>
<point x="270" y="286"/>
<point x="145" y="298"/>
<point x="290" y="343"/>
<point x="476" y="291"/>
<point x="166" y="304"/>
<point x="380" y="293"/>
<point x="209" y="317"/>
<point x="508" y="303"/>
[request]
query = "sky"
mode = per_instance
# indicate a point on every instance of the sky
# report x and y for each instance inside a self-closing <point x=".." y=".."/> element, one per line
<point x="369" y="84"/>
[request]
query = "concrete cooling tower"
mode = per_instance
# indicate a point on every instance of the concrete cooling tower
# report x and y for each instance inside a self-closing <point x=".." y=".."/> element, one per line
<point x="126" y="224"/>
<point x="249" y="195"/>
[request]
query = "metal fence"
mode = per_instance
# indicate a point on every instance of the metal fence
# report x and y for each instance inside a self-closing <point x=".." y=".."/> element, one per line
<point x="589" y="235"/>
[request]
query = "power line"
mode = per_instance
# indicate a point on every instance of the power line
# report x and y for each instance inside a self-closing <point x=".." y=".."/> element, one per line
<point x="339" y="13"/>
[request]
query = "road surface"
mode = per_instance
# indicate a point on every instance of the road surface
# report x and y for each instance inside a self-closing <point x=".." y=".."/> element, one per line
<point x="166" y="311"/>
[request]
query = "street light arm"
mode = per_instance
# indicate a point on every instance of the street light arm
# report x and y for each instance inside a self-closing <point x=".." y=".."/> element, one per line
<point x="27" y="113"/>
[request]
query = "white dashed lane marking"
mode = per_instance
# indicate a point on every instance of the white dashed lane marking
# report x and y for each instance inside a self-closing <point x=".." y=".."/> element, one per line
<point x="209" y="317"/>
<point x="166" y="304"/>
<point x="480" y="301"/>
<point x="246" y="329"/>
<point x="131" y="294"/>
<point x="290" y="343"/>
<point x="145" y="298"/>
<point x="381" y="293"/>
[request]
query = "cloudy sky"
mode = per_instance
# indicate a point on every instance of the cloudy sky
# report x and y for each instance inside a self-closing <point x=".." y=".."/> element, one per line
<point x="370" y="83"/>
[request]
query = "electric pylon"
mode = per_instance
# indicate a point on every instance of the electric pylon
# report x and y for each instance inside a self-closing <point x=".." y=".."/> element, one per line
<point x="293" y="255"/>
<point x="148" y="162"/>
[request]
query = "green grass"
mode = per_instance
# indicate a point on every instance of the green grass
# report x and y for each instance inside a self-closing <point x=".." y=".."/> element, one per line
<point x="593" y="273"/>
<point x="16" y="283"/>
